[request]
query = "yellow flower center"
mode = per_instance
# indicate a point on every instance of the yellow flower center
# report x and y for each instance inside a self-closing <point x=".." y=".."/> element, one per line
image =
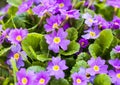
<point x="90" y="20"/>
<point x="16" y="56"/>
<point x="24" y="81"/>
<point x="82" y="43"/>
<point x="42" y="81"/>
<point x="96" y="68"/>
<point x="19" y="38"/>
<point x="118" y="75"/>
<point x="78" y="81"/>
<point x="55" y="26"/>
<point x="56" y="68"/>
<point x="61" y="5"/>
<point x="92" y="34"/>
<point x="67" y="17"/>
<point x="56" y="40"/>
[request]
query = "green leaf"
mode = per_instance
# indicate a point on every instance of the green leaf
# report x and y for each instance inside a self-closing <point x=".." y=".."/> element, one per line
<point x="35" y="68"/>
<point x="31" y="44"/>
<point x="114" y="55"/>
<point x="83" y="56"/>
<point x="21" y="20"/>
<point x="43" y="45"/>
<point x="76" y="67"/>
<point x="15" y="3"/>
<point x="105" y="39"/>
<point x="59" y="82"/>
<point x="43" y="57"/>
<point x="4" y="51"/>
<point x="95" y="50"/>
<point x="102" y="79"/>
<point x="73" y="47"/>
<point x="72" y="34"/>
<point x="12" y="11"/>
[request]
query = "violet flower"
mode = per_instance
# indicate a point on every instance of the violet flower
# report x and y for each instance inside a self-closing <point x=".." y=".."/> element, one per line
<point x="45" y="6"/>
<point x="115" y="63"/>
<point x="25" y="6"/>
<point x="42" y="78"/>
<point x="115" y="77"/>
<point x="79" y="79"/>
<point x="101" y="22"/>
<point x="114" y="3"/>
<point x="91" y="33"/>
<point x="89" y="20"/>
<point x="17" y="35"/>
<point x="83" y="43"/>
<point x="117" y="49"/>
<point x="53" y="23"/>
<point x="115" y="24"/>
<point x="97" y="66"/>
<point x="18" y="55"/>
<point x="25" y="78"/>
<point x="56" y="67"/>
<point x="71" y="13"/>
<point x="57" y="40"/>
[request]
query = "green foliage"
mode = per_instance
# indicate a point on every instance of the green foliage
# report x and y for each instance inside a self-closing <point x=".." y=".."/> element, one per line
<point x="83" y="56"/>
<point x="72" y="49"/>
<point x="59" y="82"/>
<point x="35" y="68"/>
<point x="72" y="34"/>
<point x="12" y="11"/>
<point x="103" y="44"/>
<point x="106" y="11"/>
<point x="76" y="67"/>
<point x="114" y="55"/>
<point x="21" y="20"/>
<point x="31" y="44"/>
<point x="43" y="57"/>
<point x="95" y="50"/>
<point x="15" y="3"/>
<point x="4" y="51"/>
<point x="102" y="79"/>
<point x="43" y="45"/>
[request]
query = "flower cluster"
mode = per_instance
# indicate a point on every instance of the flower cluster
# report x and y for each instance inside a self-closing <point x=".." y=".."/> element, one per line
<point x="55" y="68"/>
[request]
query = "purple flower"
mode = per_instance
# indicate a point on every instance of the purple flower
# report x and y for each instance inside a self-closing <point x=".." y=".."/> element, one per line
<point x="53" y="23"/>
<point x="79" y="79"/>
<point x="56" y="67"/>
<point x="71" y="13"/>
<point x="83" y="42"/>
<point x="3" y="34"/>
<point x="25" y="6"/>
<point x="64" y="4"/>
<point x="115" y="77"/>
<point x="45" y="6"/>
<point x="117" y="49"/>
<point x="17" y="35"/>
<point x="91" y="33"/>
<point x="42" y="78"/>
<point x="57" y="40"/>
<point x="114" y="3"/>
<point x="89" y="20"/>
<point x="97" y="66"/>
<point x="18" y="55"/>
<point x="115" y="63"/>
<point x="115" y="24"/>
<point x="4" y="10"/>
<point x="101" y="22"/>
<point x="87" y="3"/>
<point x="25" y="78"/>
